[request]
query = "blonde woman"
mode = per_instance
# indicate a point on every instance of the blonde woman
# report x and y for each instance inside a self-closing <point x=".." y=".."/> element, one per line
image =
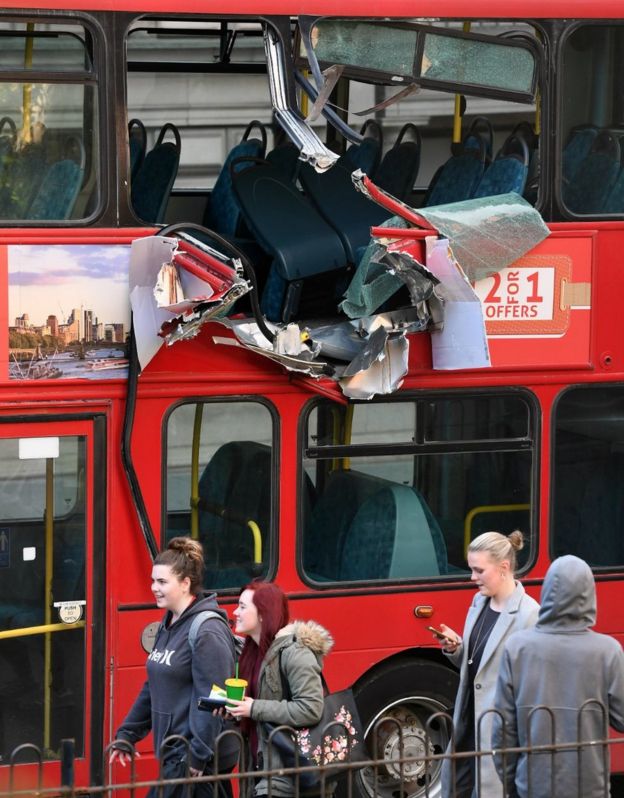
<point x="500" y="608"/>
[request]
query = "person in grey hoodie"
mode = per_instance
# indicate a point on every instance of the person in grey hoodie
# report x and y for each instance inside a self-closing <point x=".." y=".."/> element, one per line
<point x="178" y="674"/>
<point x="275" y="647"/>
<point x="553" y="678"/>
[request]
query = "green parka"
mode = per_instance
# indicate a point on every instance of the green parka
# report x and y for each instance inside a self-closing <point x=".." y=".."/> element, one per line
<point x="302" y="644"/>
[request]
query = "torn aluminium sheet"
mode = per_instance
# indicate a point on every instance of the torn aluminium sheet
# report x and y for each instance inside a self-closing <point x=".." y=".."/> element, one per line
<point x="173" y="292"/>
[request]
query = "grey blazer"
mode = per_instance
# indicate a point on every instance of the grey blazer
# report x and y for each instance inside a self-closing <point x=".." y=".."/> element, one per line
<point x="520" y="613"/>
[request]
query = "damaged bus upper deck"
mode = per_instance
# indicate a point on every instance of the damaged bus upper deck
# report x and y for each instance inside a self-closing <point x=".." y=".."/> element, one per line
<point x="332" y="293"/>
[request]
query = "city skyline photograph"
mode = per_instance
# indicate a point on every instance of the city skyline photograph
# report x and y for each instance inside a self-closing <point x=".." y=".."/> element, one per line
<point x="69" y="311"/>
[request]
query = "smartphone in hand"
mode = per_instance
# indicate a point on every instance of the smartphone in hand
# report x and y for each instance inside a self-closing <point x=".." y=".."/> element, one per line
<point x="438" y="633"/>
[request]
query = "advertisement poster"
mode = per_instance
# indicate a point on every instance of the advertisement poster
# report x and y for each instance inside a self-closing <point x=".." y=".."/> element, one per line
<point x="69" y="311"/>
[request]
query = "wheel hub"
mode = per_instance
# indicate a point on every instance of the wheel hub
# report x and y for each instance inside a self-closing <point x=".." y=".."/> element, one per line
<point x="404" y="739"/>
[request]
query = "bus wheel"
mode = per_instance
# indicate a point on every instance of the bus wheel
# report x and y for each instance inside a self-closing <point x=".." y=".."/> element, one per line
<point x="406" y="694"/>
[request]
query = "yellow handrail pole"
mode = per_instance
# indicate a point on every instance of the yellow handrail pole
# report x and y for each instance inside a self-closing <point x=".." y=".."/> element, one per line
<point x="304" y="102"/>
<point x="49" y="572"/>
<point x="257" y="538"/>
<point x="26" y="134"/>
<point x="197" y="422"/>
<point x="27" y="631"/>
<point x="487" y="508"/>
<point x="457" y="119"/>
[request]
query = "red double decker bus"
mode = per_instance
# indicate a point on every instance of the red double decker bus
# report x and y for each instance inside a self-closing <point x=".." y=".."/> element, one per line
<point x="356" y="487"/>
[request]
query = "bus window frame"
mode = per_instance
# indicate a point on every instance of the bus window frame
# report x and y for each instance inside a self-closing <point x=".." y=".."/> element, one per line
<point x="587" y="386"/>
<point x="568" y="29"/>
<point x="97" y="77"/>
<point x="274" y="540"/>
<point x="532" y="541"/>
<point x="384" y="78"/>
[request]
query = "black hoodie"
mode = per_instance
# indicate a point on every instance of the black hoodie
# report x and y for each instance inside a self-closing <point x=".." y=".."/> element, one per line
<point x="176" y="678"/>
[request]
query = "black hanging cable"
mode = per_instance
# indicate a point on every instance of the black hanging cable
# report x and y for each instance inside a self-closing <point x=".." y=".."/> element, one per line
<point x="126" y="441"/>
<point x="250" y="273"/>
<point x="133" y="379"/>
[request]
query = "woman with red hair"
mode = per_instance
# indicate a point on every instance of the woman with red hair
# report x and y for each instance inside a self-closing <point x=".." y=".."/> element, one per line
<point x="277" y="654"/>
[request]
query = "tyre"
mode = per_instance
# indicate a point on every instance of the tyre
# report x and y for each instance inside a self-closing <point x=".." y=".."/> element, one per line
<point x="407" y="693"/>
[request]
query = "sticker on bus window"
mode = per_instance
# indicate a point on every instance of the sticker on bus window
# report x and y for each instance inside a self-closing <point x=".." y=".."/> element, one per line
<point x="533" y="296"/>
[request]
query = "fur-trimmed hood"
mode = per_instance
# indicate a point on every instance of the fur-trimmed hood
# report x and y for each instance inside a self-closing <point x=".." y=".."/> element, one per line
<point x="310" y="634"/>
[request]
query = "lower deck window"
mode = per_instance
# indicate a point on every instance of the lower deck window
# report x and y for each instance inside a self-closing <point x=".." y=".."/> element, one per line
<point x="397" y="490"/>
<point x="219" y="487"/>
<point x="588" y="450"/>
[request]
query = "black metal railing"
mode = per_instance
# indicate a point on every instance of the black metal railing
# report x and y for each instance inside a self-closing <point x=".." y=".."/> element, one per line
<point x="411" y="774"/>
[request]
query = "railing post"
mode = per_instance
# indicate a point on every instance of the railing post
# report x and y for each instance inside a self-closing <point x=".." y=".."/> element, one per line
<point x="68" y="755"/>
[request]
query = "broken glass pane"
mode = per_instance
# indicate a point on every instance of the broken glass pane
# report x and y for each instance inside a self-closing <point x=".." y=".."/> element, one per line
<point x="383" y="48"/>
<point x="488" y="234"/>
<point x="499" y="66"/>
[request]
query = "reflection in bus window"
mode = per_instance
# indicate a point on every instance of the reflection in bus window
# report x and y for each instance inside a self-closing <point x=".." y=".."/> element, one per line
<point x="587" y="511"/>
<point x="592" y="126"/>
<point x="219" y="487"/>
<point x="385" y="496"/>
<point x="41" y="689"/>
<point x="48" y="126"/>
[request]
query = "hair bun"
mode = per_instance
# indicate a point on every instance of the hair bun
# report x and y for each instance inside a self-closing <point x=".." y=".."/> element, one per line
<point x="516" y="538"/>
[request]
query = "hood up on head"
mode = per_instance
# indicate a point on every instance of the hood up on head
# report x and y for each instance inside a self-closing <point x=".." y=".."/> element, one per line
<point x="568" y="600"/>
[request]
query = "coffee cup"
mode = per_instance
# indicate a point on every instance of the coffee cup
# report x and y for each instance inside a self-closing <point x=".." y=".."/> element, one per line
<point x="235" y="688"/>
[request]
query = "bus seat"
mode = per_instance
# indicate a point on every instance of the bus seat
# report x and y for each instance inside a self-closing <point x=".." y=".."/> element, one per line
<point x="398" y="169"/>
<point x="366" y="155"/>
<point x="223" y="211"/>
<point x="593" y="181"/>
<point x="137" y="138"/>
<point x="458" y="178"/>
<point x="344" y="491"/>
<point x="343" y="207"/>
<point x="153" y="181"/>
<point x="344" y="498"/>
<point x="508" y="171"/>
<point x="286" y="158"/>
<point x="57" y="194"/>
<point x="22" y="177"/>
<point x="284" y="222"/>
<point x="389" y="537"/>
<point x="576" y="149"/>
<point x="235" y="487"/>
<point x="526" y="131"/>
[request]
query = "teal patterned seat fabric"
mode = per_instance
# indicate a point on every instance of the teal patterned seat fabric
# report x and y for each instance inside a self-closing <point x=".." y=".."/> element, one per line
<point x="459" y="176"/>
<point x="154" y="179"/>
<point x="365" y="527"/>
<point x="389" y="538"/>
<point x="367" y="154"/>
<point x="235" y="487"/>
<point x="223" y="211"/>
<point x="21" y="178"/>
<point x="577" y="148"/>
<point x="594" y="180"/>
<point x="508" y="171"/>
<point x="399" y="167"/>
<point x="58" y="191"/>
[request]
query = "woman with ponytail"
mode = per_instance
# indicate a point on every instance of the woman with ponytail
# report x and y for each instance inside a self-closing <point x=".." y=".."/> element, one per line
<point x="500" y="608"/>
<point x="179" y="671"/>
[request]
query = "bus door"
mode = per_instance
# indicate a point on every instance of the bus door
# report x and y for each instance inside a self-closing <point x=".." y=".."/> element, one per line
<point x="51" y="613"/>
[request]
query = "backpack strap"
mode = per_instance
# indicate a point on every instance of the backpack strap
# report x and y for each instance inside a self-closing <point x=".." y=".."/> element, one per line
<point x="206" y="615"/>
<point x="286" y="692"/>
